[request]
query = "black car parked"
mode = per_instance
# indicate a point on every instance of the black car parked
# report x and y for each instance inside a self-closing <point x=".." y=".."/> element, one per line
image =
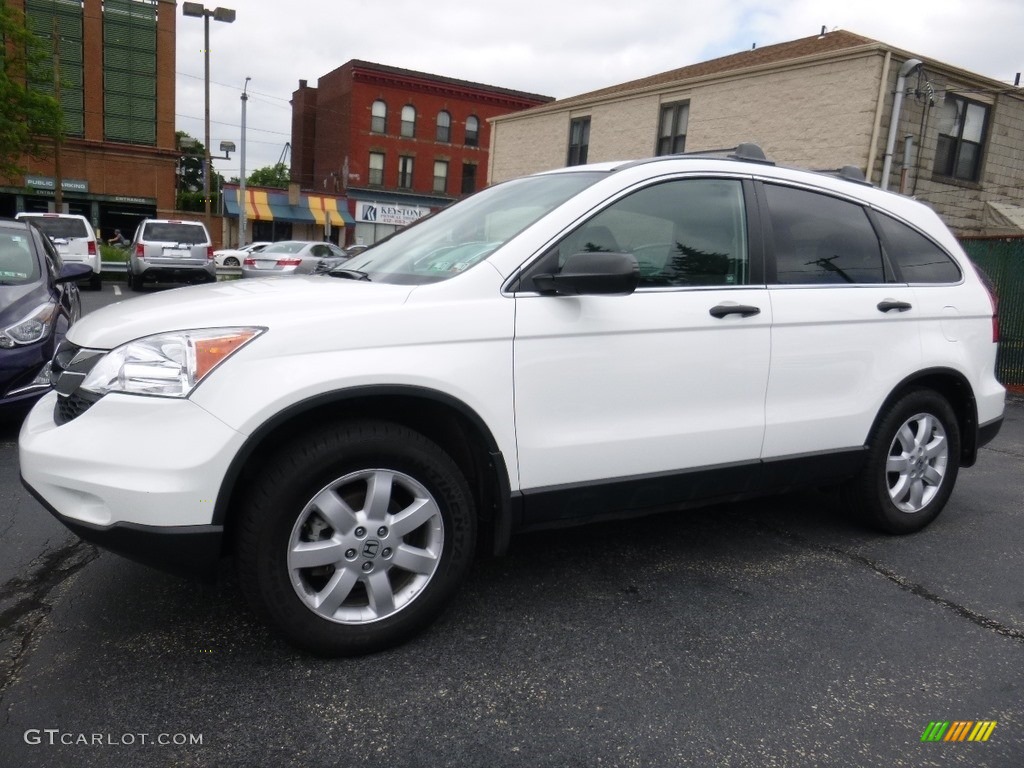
<point x="38" y="303"/>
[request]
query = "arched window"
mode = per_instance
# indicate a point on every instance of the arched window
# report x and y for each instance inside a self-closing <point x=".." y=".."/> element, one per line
<point x="444" y="127"/>
<point x="472" y="131"/>
<point x="379" y="117"/>
<point x="408" y="121"/>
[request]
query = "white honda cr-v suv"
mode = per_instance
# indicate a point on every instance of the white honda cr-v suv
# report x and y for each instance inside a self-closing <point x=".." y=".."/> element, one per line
<point x="612" y="339"/>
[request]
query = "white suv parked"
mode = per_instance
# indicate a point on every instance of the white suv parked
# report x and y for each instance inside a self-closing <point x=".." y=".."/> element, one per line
<point x="74" y="239"/>
<point x="612" y="339"/>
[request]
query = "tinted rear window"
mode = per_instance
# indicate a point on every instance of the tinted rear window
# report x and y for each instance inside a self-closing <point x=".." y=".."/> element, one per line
<point x="919" y="259"/>
<point x="60" y="228"/>
<point x="819" y="239"/>
<point x="175" y="232"/>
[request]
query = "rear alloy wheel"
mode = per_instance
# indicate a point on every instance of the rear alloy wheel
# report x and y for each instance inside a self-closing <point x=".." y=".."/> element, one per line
<point x="913" y="462"/>
<point x="356" y="538"/>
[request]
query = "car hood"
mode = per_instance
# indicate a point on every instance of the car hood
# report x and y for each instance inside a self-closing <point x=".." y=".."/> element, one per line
<point x="307" y="301"/>
<point x="16" y="301"/>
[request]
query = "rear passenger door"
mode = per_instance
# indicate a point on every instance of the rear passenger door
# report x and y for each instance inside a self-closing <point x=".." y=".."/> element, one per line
<point x="844" y="332"/>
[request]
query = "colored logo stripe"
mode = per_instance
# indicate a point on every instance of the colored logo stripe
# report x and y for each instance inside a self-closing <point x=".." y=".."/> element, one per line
<point x="958" y="730"/>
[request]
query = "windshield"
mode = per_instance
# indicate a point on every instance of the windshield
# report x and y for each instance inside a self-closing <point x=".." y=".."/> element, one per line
<point x="17" y="265"/>
<point x="453" y="240"/>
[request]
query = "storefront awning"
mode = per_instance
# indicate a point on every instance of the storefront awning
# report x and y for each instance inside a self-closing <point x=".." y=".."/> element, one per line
<point x="273" y="205"/>
<point x="325" y="208"/>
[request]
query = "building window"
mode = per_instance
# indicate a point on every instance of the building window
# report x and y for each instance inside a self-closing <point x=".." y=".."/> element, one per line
<point x="408" y="121"/>
<point x="441" y="176"/>
<point x="444" y="127"/>
<point x="45" y="16"/>
<point x="468" y="178"/>
<point x="472" y="131"/>
<point x="379" y="117"/>
<point x="579" y="141"/>
<point x="672" y="129"/>
<point x="405" y="172"/>
<point x="962" y="126"/>
<point x="375" y="174"/>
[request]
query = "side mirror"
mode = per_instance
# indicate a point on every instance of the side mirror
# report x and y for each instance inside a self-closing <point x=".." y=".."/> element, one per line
<point x="71" y="272"/>
<point x="592" y="274"/>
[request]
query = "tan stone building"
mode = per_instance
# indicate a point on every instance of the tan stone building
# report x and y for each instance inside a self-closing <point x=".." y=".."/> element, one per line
<point x="957" y="140"/>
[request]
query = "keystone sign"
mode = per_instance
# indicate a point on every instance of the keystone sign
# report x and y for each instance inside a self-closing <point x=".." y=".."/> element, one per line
<point x="385" y="213"/>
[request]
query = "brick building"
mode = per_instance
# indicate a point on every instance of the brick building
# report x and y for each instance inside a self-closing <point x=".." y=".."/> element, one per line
<point x="117" y="62"/>
<point x="957" y="140"/>
<point x="397" y="143"/>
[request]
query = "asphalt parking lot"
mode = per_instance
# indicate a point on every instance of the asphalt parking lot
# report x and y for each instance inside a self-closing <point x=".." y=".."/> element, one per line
<point x="770" y="633"/>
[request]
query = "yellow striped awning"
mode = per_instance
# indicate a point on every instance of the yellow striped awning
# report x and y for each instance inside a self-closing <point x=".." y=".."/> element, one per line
<point x="257" y="205"/>
<point x="324" y="208"/>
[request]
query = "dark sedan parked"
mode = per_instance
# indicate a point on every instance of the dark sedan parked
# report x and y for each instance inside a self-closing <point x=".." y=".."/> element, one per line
<point x="38" y="303"/>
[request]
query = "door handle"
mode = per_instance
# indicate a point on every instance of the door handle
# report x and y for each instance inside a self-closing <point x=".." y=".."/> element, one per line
<point x="744" y="310"/>
<point x="889" y="304"/>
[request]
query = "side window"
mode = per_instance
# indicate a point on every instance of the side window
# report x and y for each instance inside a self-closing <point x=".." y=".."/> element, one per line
<point x="822" y="240"/>
<point x="919" y="259"/>
<point x="50" y="254"/>
<point x="690" y="232"/>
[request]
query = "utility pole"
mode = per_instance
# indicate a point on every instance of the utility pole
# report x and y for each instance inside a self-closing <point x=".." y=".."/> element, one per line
<point x="242" y="213"/>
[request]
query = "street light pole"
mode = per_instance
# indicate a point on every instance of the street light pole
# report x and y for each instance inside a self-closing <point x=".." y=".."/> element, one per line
<point x="242" y="213"/>
<point x="219" y="14"/>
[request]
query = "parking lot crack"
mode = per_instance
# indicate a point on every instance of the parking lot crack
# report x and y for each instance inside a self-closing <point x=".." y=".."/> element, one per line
<point x="914" y="588"/>
<point x="25" y="601"/>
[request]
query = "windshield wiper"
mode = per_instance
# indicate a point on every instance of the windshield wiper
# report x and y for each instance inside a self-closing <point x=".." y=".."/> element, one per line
<point x="350" y="274"/>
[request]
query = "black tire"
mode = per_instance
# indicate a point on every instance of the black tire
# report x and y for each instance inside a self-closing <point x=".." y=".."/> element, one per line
<point x="412" y="563"/>
<point x="231" y="261"/>
<point x="912" y="464"/>
<point x="134" y="281"/>
<point x="96" y="282"/>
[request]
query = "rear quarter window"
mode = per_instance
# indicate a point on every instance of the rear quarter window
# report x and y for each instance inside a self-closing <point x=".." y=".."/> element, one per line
<point x="918" y="258"/>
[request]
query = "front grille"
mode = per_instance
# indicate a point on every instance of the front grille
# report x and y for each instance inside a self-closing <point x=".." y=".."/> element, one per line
<point x="71" y="364"/>
<point x="69" y="408"/>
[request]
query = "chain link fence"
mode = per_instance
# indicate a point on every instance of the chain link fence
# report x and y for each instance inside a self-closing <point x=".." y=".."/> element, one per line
<point x="1002" y="259"/>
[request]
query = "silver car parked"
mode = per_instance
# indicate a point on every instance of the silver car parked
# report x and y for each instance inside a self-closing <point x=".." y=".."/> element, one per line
<point x="290" y="257"/>
<point x="174" y="251"/>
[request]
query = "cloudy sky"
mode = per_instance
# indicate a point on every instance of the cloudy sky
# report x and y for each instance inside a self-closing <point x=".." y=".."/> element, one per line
<point x="556" y="48"/>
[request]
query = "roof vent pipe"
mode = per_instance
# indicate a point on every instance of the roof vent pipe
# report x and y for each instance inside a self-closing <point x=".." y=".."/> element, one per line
<point x="890" y="145"/>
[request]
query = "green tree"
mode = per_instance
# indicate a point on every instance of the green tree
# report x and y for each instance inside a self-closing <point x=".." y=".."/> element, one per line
<point x="270" y="176"/>
<point x="30" y="121"/>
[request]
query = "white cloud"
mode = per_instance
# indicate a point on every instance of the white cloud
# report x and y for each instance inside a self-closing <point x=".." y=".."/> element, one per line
<point x="557" y="49"/>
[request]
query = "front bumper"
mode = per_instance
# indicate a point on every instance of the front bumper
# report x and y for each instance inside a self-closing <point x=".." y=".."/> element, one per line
<point x="136" y="475"/>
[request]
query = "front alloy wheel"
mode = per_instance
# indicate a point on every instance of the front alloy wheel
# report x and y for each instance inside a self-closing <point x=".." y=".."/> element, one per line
<point x="355" y="537"/>
<point x="365" y="546"/>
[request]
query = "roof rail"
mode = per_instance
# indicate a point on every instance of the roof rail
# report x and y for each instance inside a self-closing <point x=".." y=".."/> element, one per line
<point x="848" y="172"/>
<point x="746" y="151"/>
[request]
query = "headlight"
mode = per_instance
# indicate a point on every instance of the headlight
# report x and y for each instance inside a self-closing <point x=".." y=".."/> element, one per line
<point x="167" y="364"/>
<point x="30" y="329"/>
